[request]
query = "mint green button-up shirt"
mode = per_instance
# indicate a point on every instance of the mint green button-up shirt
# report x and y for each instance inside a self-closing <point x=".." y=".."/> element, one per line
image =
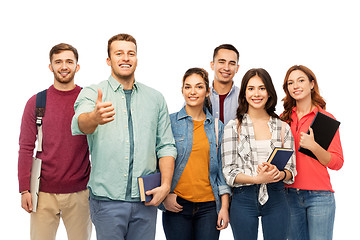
<point x="109" y="144"/>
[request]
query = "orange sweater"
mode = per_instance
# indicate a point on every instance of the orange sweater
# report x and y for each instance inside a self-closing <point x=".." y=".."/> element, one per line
<point x="194" y="184"/>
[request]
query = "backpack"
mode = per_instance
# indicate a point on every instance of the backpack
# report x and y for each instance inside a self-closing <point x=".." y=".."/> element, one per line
<point x="39" y="114"/>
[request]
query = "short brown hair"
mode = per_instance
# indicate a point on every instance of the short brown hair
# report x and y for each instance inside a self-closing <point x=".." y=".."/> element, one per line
<point x="120" y="37"/>
<point x="227" y="47"/>
<point x="63" y="47"/>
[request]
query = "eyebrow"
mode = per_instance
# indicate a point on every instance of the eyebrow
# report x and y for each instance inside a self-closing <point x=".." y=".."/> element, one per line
<point x="301" y="77"/>
<point x="62" y="59"/>
<point x="263" y="85"/>
<point x="224" y="60"/>
<point x="200" y="83"/>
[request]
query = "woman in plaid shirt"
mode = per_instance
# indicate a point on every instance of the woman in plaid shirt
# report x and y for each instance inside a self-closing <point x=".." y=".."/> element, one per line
<point x="258" y="185"/>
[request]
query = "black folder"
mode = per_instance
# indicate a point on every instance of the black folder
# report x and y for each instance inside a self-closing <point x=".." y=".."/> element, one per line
<point x="324" y="128"/>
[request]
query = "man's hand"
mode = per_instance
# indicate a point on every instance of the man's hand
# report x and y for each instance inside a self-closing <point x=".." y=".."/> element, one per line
<point x="159" y="194"/>
<point x="102" y="114"/>
<point x="26" y="202"/>
<point x="104" y="111"/>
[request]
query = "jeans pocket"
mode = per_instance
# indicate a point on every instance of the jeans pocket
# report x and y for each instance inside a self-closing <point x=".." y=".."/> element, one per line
<point x="94" y="206"/>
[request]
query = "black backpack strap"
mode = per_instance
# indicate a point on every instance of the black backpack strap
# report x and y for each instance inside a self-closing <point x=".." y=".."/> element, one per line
<point x="40" y="113"/>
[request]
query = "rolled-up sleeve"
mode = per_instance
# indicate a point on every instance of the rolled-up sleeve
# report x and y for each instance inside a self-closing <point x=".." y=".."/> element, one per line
<point x="223" y="187"/>
<point x="229" y="154"/>
<point x="84" y="103"/>
<point x="335" y="149"/>
<point x="165" y="143"/>
<point x="291" y="164"/>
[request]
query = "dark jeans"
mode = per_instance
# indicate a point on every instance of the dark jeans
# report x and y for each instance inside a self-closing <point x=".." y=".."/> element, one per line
<point x="197" y="221"/>
<point x="245" y="211"/>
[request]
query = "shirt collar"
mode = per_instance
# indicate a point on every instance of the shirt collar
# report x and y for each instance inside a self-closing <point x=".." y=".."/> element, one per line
<point x="115" y="85"/>
<point x="314" y="111"/>
<point x="212" y="89"/>
<point x="183" y="114"/>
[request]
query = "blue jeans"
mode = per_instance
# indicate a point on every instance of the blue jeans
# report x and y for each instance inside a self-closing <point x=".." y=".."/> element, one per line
<point x="197" y="221"/>
<point x="123" y="220"/>
<point x="245" y="211"/>
<point x="312" y="214"/>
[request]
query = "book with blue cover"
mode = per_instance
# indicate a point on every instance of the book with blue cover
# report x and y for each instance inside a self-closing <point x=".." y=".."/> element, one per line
<point x="146" y="183"/>
<point x="280" y="156"/>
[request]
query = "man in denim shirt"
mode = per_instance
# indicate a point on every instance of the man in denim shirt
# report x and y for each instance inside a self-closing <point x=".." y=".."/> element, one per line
<point x="129" y="135"/>
<point x="224" y="94"/>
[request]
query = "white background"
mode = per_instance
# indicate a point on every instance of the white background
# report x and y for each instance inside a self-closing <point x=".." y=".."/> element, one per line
<point x="173" y="36"/>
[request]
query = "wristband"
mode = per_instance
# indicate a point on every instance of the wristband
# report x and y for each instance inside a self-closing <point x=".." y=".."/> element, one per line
<point x="22" y="193"/>
<point x="284" y="175"/>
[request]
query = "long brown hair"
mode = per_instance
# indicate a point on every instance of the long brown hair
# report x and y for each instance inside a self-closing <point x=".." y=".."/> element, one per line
<point x="204" y="75"/>
<point x="270" y="105"/>
<point x="290" y="103"/>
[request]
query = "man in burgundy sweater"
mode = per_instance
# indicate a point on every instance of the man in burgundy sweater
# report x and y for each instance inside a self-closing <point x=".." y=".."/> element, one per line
<point x="65" y="158"/>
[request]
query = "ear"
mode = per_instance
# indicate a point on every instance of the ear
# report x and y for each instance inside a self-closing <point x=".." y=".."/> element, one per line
<point x="237" y="68"/>
<point x="312" y="84"/>
<point x="108" y="61"/>
<point x="77" y="68"/>
<point x="212" y="65"/>
<point x="51" y="68"/>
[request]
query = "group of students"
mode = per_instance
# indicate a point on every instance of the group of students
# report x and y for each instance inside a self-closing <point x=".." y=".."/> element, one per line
<point x="212" y="154"/>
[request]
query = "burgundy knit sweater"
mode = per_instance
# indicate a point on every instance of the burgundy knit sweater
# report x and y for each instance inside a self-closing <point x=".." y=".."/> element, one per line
<point x="65" y="158"/>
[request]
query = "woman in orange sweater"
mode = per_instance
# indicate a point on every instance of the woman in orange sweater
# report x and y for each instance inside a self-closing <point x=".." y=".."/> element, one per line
<point x="198" y="203"/>
<point x="311" y="196"/>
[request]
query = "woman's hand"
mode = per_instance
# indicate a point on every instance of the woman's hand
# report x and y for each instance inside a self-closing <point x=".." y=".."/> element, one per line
<point x="267" y="173"/>
<point x="171" y="204"/>
<point x="223" y="219"/>
<point x="307" y="140"/>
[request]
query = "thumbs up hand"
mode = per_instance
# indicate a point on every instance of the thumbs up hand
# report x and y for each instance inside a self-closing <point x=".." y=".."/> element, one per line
<point x="104" y="111"/>
<point x="307" y="140"/>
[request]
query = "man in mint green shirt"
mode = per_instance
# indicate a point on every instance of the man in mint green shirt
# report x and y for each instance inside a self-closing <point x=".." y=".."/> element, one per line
<point x="129" y="135"/>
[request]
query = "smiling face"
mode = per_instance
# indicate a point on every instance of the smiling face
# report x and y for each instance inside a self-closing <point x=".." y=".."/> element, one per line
<point x="225" y="65"/>
<point x="256" y="94"/>
<point x="194" y="91"/>
<point x="64" y="66"/>
<point x="123" y="60"/>
<point x="299" y="85"/>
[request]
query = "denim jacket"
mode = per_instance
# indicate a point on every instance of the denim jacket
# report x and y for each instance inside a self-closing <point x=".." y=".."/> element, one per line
<point x="182" y="128"/>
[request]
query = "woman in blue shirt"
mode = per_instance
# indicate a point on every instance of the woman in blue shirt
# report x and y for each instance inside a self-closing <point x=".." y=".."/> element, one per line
<point x="197" y="206"/>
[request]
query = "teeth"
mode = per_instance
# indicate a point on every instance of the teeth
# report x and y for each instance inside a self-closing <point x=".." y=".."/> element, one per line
<point x="125" y="66"/>
<point x="64" y="73"/>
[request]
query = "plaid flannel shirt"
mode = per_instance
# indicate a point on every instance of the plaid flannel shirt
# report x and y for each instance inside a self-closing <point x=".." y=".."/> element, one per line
<point x="241" y="156"/>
